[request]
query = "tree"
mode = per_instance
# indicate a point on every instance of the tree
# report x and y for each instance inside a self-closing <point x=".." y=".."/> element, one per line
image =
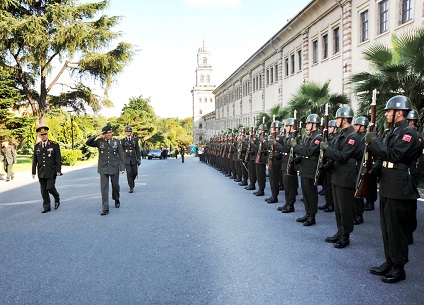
<point x="34" y="35"/>
<point x="398" y="69"/>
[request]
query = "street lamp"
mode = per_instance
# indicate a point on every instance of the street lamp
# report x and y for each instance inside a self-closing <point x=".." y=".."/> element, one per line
<point x="72" y="130"/>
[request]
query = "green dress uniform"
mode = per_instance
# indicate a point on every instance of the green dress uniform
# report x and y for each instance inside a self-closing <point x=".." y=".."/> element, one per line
<point x="9" y="158"/>
<point x="47" y="162"/>
<point x="111" y="161"/>
<point x="132" y="159"/>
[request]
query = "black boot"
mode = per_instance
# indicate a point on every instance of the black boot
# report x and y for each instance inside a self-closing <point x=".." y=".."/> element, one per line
<point x="330" y="208"/>
<point x="396" y="274"/>
<point x="288" y="209"/>
<point x="343" y="241"/>
<point x="303" y="219"/>
<point x="273" y="200"/>
<point x="323" y="207"/>
<point x="369" y="206"/>
<point x="358" y="219"/>
<point x="333" y="239"/>
<point x="383" y="269"/>
<point x="282" y="207"/>
<point x="310" y="221"/>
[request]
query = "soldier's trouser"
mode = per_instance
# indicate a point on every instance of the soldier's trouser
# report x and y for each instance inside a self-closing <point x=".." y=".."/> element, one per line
<point x="280" y="179"/>
<point x="328" y="189"/>
<point x="252" y="173"/>
<point x="104" y="188"/>
<point x="394" y="228"/>
<point x="371" y="195"/>
<point x="310" y="195"/>
<point x="238" y="169"/>
<point x="274" y="178"/>
<point x="244" y="172"/>
<point x="344" y="206"/>
<point x="8" y="170"/>
<point x="290" y="187"/>
<point x="131" y="174"/>
<point x="47" y="185"/>
<point x="261" y="174"/>
<point x="359" y="206"/>
<point x="233" y="168"/>
<point x="412" y="221"/>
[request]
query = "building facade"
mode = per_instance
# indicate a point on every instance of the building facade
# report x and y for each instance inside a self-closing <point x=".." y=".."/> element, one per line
<point x="325" y="41"/>
<point x="202" y="94"/>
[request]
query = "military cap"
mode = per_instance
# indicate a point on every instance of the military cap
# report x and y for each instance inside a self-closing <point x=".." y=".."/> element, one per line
<point x="42" y="130"/>
<point x="128" y="128"/>
<point x="106" y="128"/>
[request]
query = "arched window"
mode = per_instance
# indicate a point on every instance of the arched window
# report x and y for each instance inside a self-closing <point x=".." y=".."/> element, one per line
<point x="208" y="78"/>
<point x="202" y="78"/>
<point x="200" y="125"/>
<point x="206" y="100"/>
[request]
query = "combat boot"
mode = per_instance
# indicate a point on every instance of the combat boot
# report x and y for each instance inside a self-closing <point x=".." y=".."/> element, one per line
<point x="323" y="207"/>
<point x="383" y="269"/>
<point x="333" y="239"/>
<point x="396" y="274"/>
<point x="288" y="209"/>
<point x="310" y="221"/>
<point x="343" y="241"/>
<point x="369" y="206"/>
<point x="303" y="218"/>
<point x="329" y="209"/>
<point x="282" y="207"/>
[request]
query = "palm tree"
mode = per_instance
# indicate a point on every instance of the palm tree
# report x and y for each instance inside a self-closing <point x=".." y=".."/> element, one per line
<point x="398" y="69"/>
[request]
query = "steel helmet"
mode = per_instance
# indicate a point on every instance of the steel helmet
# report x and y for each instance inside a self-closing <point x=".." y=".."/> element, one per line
<point x="332" y="123"/>
<point x="344" y="112"/>
<point x="241" y="129"/>
<point x="313" y="118"/>
<point x="128" y="128"/>
<point x="264" y="127"/>
<point x="413" y="115"/>
<point x="361" y="120"/>
<point x="398" y="102"/>
<point x="276" y="124"/>
<point x="290" y="122"/>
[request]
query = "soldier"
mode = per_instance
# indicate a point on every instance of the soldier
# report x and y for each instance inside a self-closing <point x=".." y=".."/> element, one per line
<point x="274" y="162"/>
<point x="241" y="152"/>
<point x="309" y="151"/>
<point x="414" y="122"/>
<point x="261" y="161"/>
<point x="111" y="163"/>
<point x="251" y="152"/>
<point x="344" y="153"/>
<point x="290" y="179"/>
<point x="360" y="126"/>
<point x="132" y="157"/>
<point x="9" y="158"/>
<point x="328" y="207"/>
<point x="398" y="191"/>
<point x="47" y="162"/>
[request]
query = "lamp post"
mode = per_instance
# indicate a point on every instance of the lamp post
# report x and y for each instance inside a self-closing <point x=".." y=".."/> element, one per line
<point x="72" y="130"/>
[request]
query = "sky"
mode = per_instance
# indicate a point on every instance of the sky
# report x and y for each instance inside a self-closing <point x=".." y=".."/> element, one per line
<point x="168" y="34"/>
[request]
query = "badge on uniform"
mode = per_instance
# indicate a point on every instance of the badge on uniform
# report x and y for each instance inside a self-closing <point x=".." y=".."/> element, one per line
<point x="407" y="138"/>
<point x="351" y="141"/>
<point x="316" y="142"/>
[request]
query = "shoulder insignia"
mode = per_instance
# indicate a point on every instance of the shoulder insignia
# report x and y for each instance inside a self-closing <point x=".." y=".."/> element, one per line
<point x="351" y="141"/>
<point x="316" y="142"/>
<point x="407" y="138"/>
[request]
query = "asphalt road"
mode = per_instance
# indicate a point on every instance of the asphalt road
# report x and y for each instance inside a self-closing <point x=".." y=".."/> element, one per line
<point x="187" y="235"/>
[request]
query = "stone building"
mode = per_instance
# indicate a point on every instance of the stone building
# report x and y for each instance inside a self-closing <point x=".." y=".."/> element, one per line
<point x="324" y="41"/>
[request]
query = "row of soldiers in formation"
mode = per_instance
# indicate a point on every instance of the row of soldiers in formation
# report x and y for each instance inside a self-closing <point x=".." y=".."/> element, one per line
<point x="286" y="154"/>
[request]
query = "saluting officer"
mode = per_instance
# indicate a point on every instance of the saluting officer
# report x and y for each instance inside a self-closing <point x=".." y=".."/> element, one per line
<point x="132" y="156"/>
<point x="398" y="192"/>
<point x="47" y="163"/>
<point x="343" y="178"/>
<point x="111" y="163"/>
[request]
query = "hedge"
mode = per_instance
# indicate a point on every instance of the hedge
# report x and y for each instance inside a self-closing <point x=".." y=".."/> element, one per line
<point x="70" y="157"/>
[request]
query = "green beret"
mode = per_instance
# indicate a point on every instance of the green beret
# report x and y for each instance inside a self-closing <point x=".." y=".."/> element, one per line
<point x="106" y="128"/>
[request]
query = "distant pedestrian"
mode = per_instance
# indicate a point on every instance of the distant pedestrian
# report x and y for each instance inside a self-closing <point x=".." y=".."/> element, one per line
<point x="47" y="162"/>
<point x="176" y="153"/>
<point x="182" y="154"/>
<point x="132" y="157"/>
<point x="110" y="164"/>
<point x="8" y="153"/>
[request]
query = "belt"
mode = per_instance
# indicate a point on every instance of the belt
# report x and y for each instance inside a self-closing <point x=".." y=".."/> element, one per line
<point x="286" y="154"/>
<point x="312" y="158"/>
<point x="128" y="150"/>
<point x="400" y="166"/>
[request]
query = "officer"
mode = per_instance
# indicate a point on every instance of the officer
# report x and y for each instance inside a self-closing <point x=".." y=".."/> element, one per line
<point x="398" y="191"/>
<point x="252" y="150"/>
<point x="9" y="156"/>
<point x="132" y="157"/>
<point x="414" y="122"/>
<point x="47" y="162"/>
<point x="241" y="150"/>
<point x="261" y="161"/>
<point x="343" y="178"/>
<point x="274" y="161"/>
<point x="309" y="151"/>
<point x="289" y="179"/>
<point x="328" y="207"/>
<point x="360" y="125"/>
<point x="111" y="163"/>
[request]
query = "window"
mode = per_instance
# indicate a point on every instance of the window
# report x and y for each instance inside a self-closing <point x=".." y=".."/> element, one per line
<point x="364" y="26"/>
<point x="384" y="16"/>
<point x="208" y="78"/>
<point x="336" y="40"/>
<point x="272" y="75"/>
<point x="314" y="51"/>
<point x="254" y="84"/>
<point x="260" y="81"/>
<point x="299" y="60"/>
<point x="325" y="46"/>
<point x="406" y="10"/>
<point x="200" y="99"/>
<point x="200" y="138"/>
<point x="267" y="77"/>
<point x="202" y="78"/>
<point x="205" y="60"/>
<point x="292" y="63"/>
<point x="210" y="100"/>
<point x="200" y="111"/>
<point x="206" y="100"/>
<point x="200" y="125"/>
<point x="276" y="73"/>
<point x="286" y="66"/>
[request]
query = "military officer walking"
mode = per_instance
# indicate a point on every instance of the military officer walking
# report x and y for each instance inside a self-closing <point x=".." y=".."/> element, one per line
<point x="47" y="163"/>
<point x="110" y="164"/>
<point x="132" y="156"/>
<point x="9" y="156"/>
<point x="398" y="193"/>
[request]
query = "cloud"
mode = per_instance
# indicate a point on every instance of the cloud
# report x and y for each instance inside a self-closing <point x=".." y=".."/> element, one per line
<point x="211" y="3"/>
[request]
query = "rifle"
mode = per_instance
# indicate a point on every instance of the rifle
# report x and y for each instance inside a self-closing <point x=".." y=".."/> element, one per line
<point x="319" y="173"/>
<point x="366" y="164"/>
<point x="290" y="170"/>
<point x="261" y="144"/>
<point x="247" y="156"/>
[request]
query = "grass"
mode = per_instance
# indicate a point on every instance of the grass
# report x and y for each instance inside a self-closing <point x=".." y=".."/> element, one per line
<point x="25" y="163"/>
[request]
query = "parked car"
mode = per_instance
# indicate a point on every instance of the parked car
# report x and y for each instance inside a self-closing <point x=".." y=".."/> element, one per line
<point x="154" y="153"/>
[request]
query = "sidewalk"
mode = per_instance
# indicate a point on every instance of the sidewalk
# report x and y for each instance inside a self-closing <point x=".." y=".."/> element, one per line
<point x="25" y="178"/>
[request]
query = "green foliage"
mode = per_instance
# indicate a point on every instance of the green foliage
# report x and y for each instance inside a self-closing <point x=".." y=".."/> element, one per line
<point x="70" y="157"/>
<point x="395" y="69"/>
<point x="35" y="35"/>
